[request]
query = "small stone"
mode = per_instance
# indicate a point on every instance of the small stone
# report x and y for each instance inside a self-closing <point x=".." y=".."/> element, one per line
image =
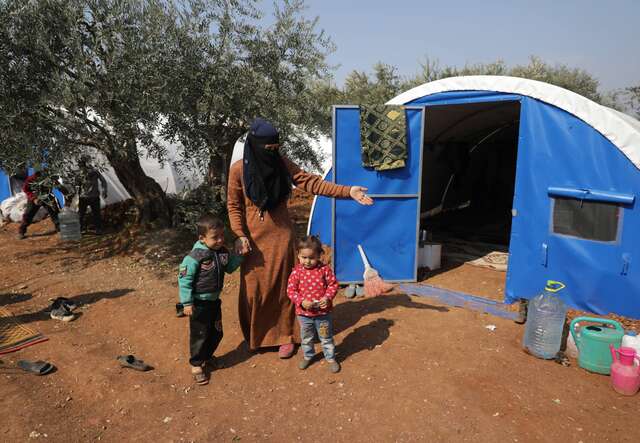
<point x="167" y="420"/>
<point x="23" y="287"/>
<point x="496" y="414"/>
<point x="34" y="434"/>
<point x="556" y="401"/>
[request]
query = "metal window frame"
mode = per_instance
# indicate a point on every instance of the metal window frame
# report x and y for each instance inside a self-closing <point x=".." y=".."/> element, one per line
<point x="619" y="226"/>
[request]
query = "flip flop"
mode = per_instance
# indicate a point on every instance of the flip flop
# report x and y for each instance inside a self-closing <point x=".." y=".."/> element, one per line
<point x="36" y="367"/>
<point x="129" y="361"/>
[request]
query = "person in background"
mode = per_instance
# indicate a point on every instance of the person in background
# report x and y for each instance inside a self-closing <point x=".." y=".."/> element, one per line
<point x="90" y="182"/>
<point x="38" y="188"/>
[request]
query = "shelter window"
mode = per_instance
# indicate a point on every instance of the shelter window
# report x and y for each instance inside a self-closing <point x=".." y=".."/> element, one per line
<point x="586" y="219"/>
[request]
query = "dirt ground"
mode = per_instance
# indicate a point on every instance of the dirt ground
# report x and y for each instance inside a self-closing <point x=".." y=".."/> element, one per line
<point x="412" y="371"/>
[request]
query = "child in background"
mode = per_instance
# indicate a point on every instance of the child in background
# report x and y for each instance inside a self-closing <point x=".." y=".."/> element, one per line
<point x="312" y="287"/>
<point x="201" y="278"/>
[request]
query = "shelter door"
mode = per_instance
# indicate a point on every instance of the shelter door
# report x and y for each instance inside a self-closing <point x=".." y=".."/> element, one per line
<point x="388" y="230"/>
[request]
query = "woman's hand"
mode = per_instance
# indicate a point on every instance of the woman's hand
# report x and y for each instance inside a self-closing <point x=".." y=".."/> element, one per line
<point x="358" y="193"/>
<point x="242" y="246"/>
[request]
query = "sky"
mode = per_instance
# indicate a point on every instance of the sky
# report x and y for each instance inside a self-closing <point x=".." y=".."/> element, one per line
<point x="602" y="37"/>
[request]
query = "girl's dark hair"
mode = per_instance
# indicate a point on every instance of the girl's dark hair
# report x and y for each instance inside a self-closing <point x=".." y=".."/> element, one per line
<point x="310" y="242"/>
<point x="207" y="222"/>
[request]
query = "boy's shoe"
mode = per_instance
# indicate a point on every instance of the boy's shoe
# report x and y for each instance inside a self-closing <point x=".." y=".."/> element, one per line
<point x="286" y="351"/>
<point x="21" y="236"/>
<point x="304" y="364"/>
<point x="359" y="291"/>
<point x="61" y="313"/>
<point x="334" y="366"/>
<point x="199" y="375"/>
<point x="180" y="310"/>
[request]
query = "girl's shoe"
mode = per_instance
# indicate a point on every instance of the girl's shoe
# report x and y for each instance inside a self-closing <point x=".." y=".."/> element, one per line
<point x="286" y="351"/>
<point x="304" y="364"/>
<point x="334" y="366"/>
<point x="350" y="291"/>
<point x="359" y="291"/>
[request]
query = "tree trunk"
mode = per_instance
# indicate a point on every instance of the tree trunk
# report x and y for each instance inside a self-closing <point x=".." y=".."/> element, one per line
<point x="149" y="197"/>
<point x="218" y="173"/>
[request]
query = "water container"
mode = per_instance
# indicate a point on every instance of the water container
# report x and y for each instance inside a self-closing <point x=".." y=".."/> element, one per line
<point x="69" y="225"/>
<point x="625" y="370"/>
<point x="631" y="340"/>
<point x="545" y="322"/>
<point x="429" y="256"/>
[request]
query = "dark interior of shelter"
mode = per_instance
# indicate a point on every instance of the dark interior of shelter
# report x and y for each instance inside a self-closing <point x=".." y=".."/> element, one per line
<point x="469" y="170"/>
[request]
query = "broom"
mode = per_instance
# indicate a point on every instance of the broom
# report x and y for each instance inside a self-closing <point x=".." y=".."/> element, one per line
<point x="373" y="283"/>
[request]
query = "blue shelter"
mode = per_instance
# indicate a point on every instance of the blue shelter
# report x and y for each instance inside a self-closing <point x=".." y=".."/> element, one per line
<point x="545" y="172"/>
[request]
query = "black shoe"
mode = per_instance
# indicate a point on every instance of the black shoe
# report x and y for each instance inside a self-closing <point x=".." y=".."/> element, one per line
<point x="334" y="366"/>
<point x="180" y="310"/>
<point x="65" y="303"/>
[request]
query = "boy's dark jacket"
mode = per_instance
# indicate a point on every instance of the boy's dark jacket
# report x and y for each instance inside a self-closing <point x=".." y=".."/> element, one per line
<point x="201" y="274"/>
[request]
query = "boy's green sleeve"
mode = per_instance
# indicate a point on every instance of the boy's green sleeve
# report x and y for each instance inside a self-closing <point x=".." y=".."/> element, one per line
<point x="186" y="274"/>
<point x="234" y="263"/>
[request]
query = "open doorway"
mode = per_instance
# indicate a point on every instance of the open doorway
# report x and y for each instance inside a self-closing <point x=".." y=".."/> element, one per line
<point x="468" y="183"/>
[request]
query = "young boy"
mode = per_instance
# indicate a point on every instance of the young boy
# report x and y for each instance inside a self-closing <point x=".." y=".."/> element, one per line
<point x="201" y="278"/>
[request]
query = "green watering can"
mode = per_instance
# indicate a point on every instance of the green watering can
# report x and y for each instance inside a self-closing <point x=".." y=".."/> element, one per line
<point x="593" y="342"/>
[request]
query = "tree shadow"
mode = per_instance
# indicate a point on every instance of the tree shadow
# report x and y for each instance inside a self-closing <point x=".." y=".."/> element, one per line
<point x="14" y="297"/>
<point x="239" y="355"/>
<point x="80" y="300"/>
<point x="348" y="314"/>
<point x="365" y="337"/>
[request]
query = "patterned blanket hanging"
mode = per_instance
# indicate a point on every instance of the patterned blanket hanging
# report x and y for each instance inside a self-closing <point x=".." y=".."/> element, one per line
<point x="383" y="135"/>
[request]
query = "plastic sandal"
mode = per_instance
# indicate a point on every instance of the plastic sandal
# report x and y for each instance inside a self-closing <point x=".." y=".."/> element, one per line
<point x="36" y="367"/>
<point x="129" y="361"/>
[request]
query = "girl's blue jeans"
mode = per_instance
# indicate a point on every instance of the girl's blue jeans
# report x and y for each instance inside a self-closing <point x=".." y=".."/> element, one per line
<point x="323" y="325"/>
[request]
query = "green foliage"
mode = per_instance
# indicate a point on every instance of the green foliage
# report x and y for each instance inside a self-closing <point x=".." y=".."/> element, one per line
<point x="80" y="74"/>
<point x="385" y="83"/>
<point x="188" y="206"/>
<point x="83" y="73"/>
<point x="229" y="70"/>
<point x="632" y="100"/>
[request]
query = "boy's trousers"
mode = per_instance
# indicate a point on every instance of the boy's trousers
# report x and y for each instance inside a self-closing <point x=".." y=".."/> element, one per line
<point x="205" y="333"/>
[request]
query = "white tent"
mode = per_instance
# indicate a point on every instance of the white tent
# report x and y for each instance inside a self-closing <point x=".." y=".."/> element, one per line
<point x="170" y="179"/>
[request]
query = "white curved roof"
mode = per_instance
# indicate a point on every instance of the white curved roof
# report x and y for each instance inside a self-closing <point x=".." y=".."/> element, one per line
<point x="622" y="130"/>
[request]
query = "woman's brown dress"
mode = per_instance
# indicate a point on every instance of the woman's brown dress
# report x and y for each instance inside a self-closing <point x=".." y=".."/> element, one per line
<point x="267" y="317"/>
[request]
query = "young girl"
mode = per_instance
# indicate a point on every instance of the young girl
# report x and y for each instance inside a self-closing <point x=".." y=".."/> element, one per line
<point x="312" y="288"/>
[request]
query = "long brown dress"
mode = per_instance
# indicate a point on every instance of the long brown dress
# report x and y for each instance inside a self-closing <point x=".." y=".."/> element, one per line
<point x="267" y="316"/>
